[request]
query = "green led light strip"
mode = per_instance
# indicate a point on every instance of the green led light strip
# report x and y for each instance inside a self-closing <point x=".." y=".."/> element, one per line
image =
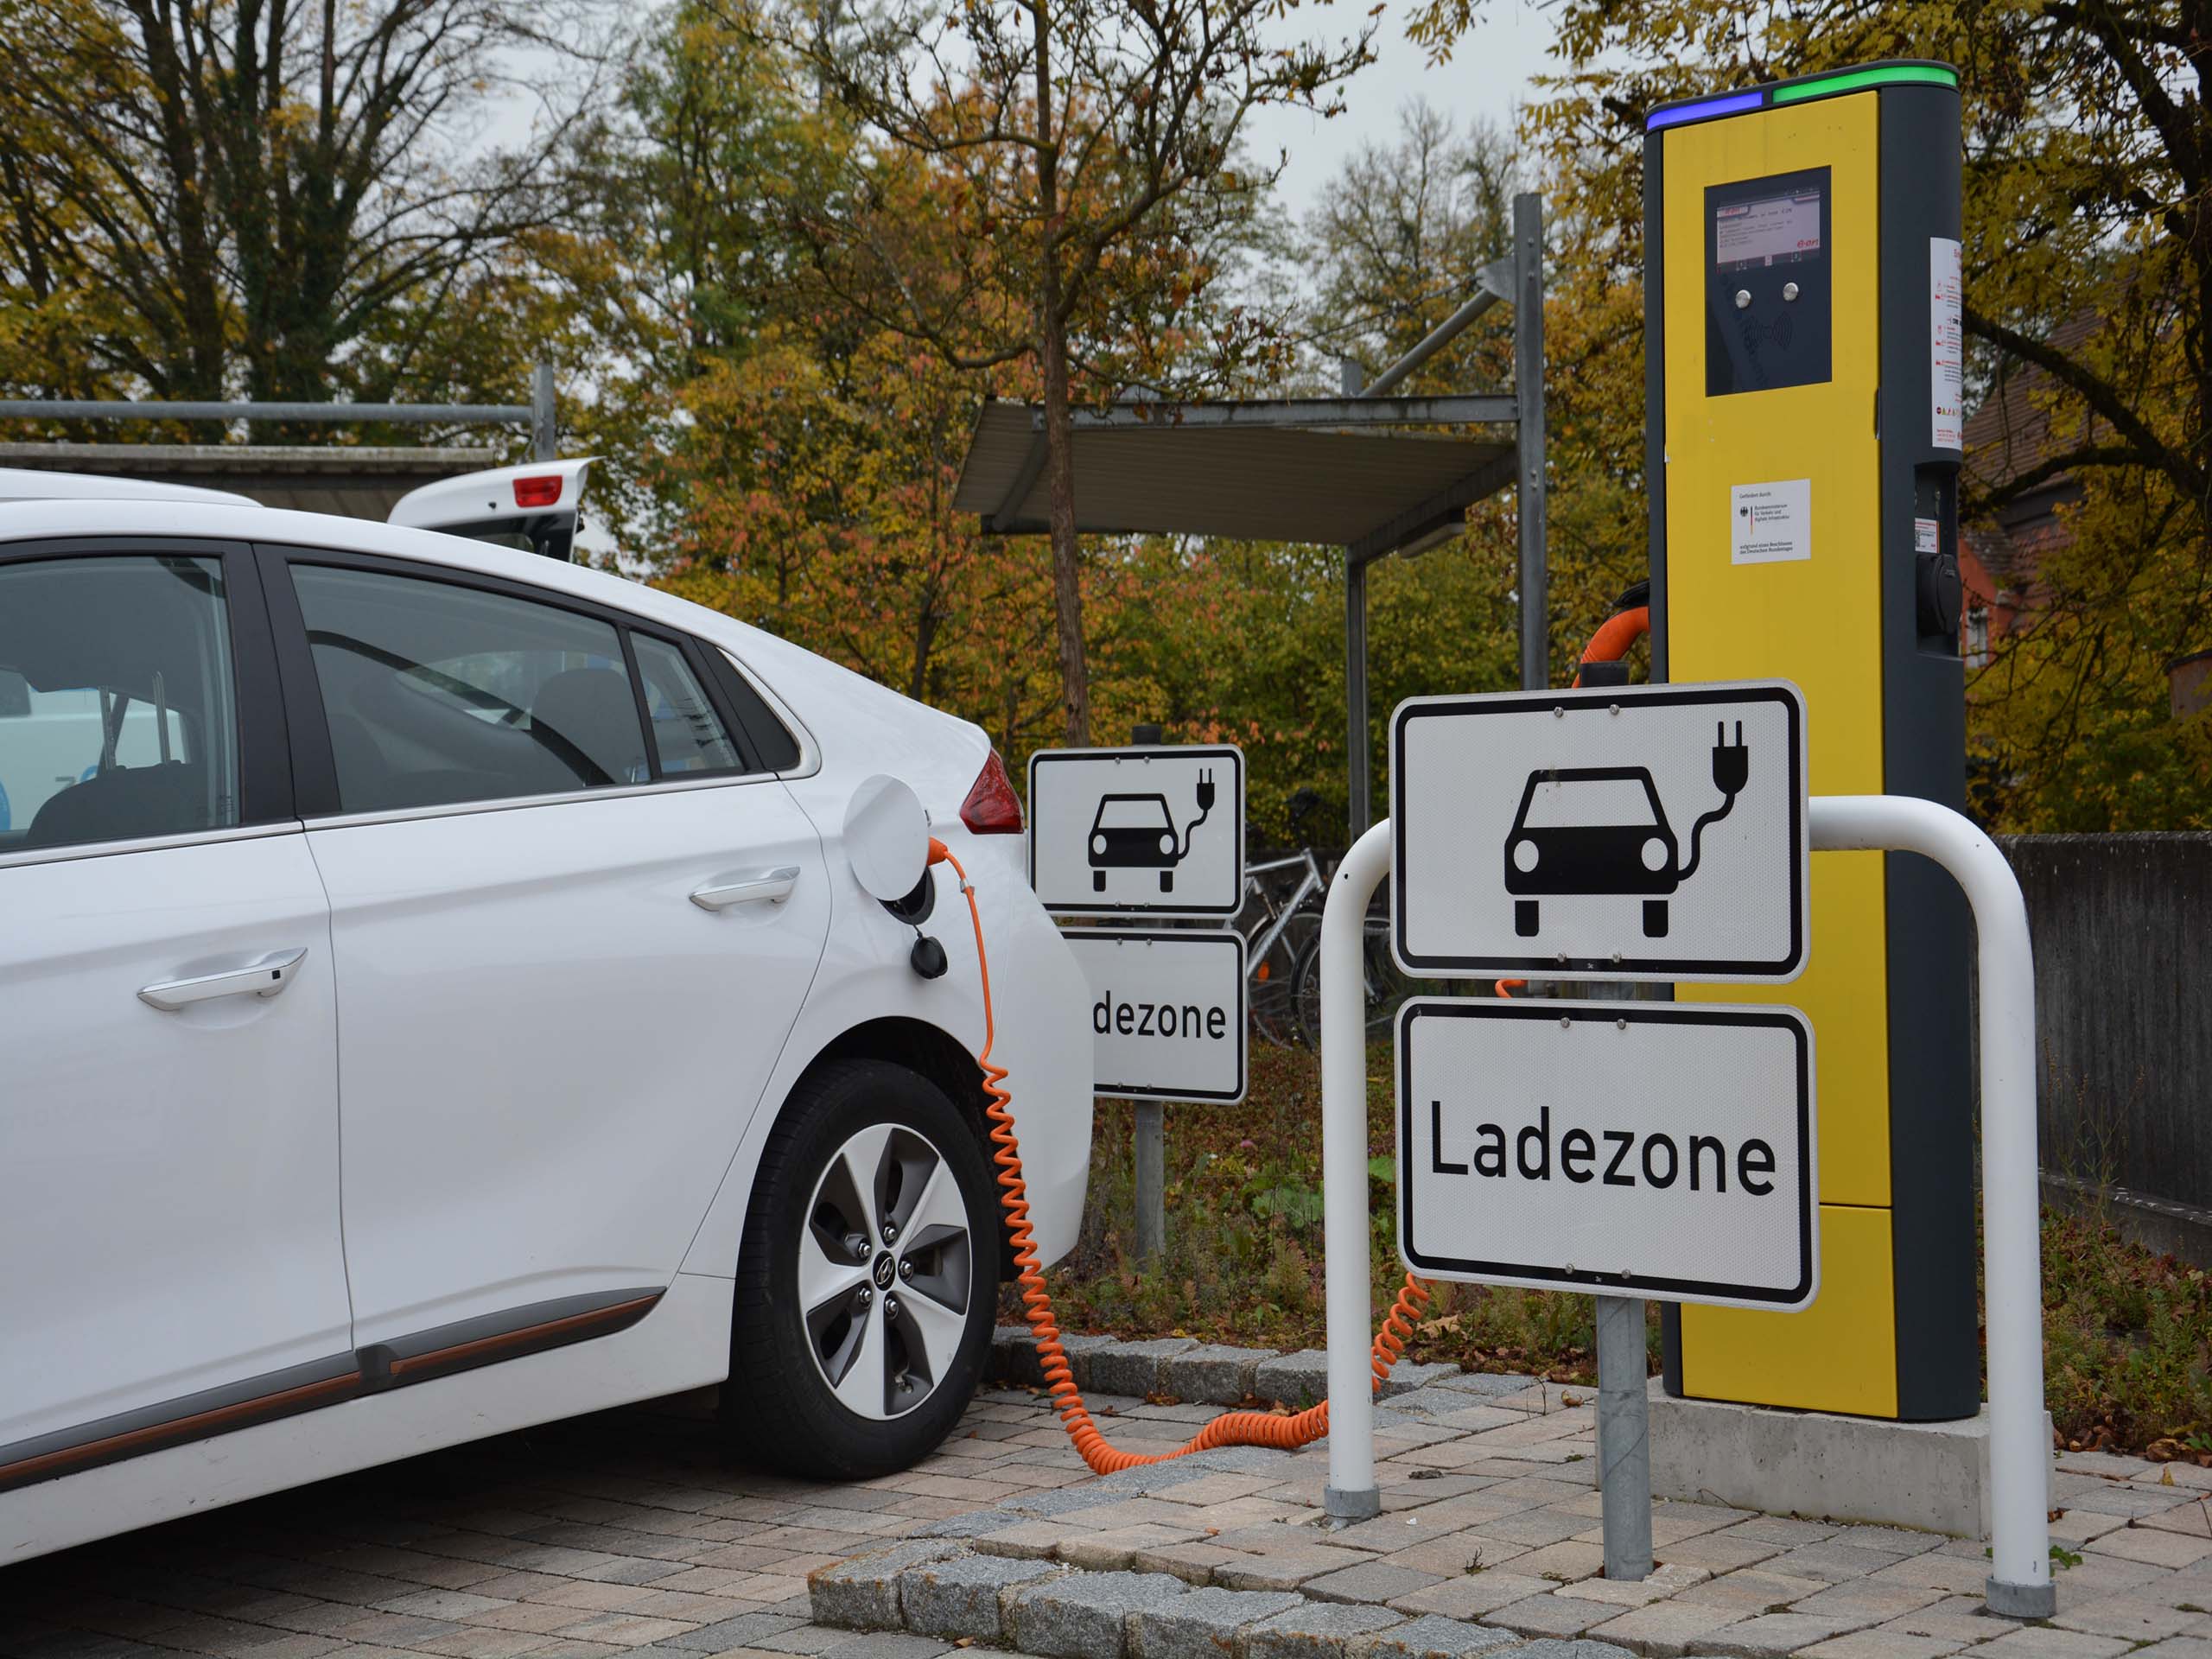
<point x="1852" y="81"/>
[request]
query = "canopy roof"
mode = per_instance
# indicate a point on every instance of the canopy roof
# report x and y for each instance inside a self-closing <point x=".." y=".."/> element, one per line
<point x="1295" y="470"/>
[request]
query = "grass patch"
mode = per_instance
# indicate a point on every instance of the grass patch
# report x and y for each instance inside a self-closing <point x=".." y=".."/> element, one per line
<point x="2128" y="1334"/>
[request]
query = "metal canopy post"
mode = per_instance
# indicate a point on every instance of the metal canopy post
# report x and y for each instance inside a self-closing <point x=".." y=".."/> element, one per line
<point x="1518" y="278"/>
<point x="1529" y="482"/>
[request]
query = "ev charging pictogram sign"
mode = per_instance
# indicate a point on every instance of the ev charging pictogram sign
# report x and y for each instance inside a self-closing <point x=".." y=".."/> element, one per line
<point x="1663" y="1150"/>
<point x="1138" y="831"/>
<point x="1657" y="832"/>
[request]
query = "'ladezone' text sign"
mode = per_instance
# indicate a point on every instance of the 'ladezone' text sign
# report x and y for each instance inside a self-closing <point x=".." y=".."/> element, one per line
<point x="1157" y="831"/>
<point x="1652" y="1149"/>
<point x="1657" y="832"/>
<point x="1166" y="1012"/>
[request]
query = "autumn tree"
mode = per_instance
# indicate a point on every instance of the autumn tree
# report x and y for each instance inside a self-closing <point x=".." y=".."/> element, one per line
<point x="203" y="199"/>
<point x="1085" y="164"/>
<point x="2088" y="170"/>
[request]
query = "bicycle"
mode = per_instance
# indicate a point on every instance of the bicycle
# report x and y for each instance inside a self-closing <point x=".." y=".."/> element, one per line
<point x="1277" y="924"/>
<point x="1387" y="986"/>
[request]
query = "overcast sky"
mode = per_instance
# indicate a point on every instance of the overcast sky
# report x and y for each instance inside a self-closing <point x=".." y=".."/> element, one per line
<point x="1488" y="79"/>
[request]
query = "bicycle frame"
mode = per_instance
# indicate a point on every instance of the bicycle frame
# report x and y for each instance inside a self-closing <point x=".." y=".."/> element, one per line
<point x="1279" y="917"/>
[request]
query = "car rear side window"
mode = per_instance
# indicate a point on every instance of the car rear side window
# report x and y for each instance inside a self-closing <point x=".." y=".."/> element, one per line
<point x="774" y="748"/>
<point x="689" y="737"/>
<point x="437" y="693"/>
<point x="117" y="704"/>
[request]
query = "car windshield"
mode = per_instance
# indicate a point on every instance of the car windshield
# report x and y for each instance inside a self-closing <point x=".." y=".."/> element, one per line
<point x="1133" y="812"/>
<point x="1590" y="804"/>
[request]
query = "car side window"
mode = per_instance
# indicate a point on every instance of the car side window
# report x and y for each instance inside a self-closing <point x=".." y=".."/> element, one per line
<point x="437" y="693"/>
<point x="689" y="737"/>
<point x="772" y="746"/>
<point x="118" y="702"/>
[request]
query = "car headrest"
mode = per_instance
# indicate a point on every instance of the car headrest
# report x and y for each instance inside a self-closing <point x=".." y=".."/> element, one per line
<point x="591" y="712"/>
<point x="122" y="803"/>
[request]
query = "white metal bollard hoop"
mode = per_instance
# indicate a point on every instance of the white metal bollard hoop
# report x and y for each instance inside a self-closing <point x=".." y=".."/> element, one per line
<point x="2019" y="1581"/>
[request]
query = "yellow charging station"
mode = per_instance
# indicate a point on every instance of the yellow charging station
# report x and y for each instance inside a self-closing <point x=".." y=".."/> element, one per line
<point x="1802" y="390"/>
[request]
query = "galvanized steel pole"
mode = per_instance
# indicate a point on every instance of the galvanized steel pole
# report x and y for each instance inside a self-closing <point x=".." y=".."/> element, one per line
<point x="1529" y="432"/>
<point x="1152" y="1180"/>
<point x="1351" y="1493"/>
<point x="1623" y="1443"/>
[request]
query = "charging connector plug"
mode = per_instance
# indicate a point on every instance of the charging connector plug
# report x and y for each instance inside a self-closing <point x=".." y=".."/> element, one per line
<point x="1731" y="764"/>
<point x="1732" y="769"/>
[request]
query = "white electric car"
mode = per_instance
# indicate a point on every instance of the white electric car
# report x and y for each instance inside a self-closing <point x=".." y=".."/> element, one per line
<point x="434" y="1000"/>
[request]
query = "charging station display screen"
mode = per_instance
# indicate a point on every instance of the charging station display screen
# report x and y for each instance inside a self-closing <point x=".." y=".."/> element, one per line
<point x="1771" y="230"/>
<point x="1768" y="253"/>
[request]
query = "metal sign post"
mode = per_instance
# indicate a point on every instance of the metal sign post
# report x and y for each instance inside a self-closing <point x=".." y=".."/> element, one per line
<point x="1152" y="830"/>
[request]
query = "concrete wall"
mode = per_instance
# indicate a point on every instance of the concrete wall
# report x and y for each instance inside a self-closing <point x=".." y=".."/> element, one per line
<point x="2122" y="927"/>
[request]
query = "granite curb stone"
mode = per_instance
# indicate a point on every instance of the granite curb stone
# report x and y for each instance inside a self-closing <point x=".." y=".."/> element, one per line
<point x="862" y="1593"/>
<point x="1203" y="1625"/>
<point x="963" y="1596"/>
<point x="1135" y="1368"/>
<point x="1084" y="1615"/>
<point x="1296" y="1380"/>
<point x="1429" y="1637"/>
<point x="1317" y="1630"/>
<point x="1215" y="1373"/>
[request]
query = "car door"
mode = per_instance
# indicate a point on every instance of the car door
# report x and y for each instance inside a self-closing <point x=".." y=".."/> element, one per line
<point x="169" y="1254"/>
<point x="572" y="927"/>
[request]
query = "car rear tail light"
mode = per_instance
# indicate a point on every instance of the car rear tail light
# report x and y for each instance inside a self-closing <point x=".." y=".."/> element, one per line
<point x="992" y="807"/>
<point x="537" y="492"/>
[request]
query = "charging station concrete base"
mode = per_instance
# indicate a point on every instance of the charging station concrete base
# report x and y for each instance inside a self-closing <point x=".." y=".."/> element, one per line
<point x="1870" y="1471"/>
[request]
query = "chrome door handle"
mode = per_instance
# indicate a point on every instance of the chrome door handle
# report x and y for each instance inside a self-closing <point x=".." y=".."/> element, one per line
<point x="263" y="978"/>
<point x="768" y="886"/>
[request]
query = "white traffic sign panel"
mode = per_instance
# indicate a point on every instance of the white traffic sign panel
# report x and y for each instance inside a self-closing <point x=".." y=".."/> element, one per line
<point x="1657" y="832"/>
<point x="1150" y="831"/>
<point x="1657" y="1149"/>
<point x="1166" y="1012"/>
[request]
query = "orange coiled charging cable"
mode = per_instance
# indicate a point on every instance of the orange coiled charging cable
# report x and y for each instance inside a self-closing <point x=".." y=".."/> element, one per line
<point x="1232" y="1428"/>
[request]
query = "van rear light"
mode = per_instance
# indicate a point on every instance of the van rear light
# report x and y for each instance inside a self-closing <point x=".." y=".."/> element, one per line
<point x="992" y="807"/>
<point x="537" y="492"/>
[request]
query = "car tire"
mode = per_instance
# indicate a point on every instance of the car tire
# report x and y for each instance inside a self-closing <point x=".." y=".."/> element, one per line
<point x="827" y="1341"/>
<point x="1524" y="917"/>
<point x="1654" y="919"/>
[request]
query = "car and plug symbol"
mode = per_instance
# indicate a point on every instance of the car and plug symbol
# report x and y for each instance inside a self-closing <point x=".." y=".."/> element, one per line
<point x="1137" y="832"/>
<point x="1601" y="830"/>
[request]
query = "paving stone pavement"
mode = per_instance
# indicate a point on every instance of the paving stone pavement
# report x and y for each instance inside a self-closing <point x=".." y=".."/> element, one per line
<point x="632" y="1533"/>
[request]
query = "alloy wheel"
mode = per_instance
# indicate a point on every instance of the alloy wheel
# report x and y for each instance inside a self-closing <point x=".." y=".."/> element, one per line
<point x="886" y="1267"/>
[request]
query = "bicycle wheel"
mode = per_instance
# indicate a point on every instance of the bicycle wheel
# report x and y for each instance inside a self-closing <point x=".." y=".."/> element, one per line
<point x="1306" y="993"/>
<point x="1386" y="988"/>
<point x="1270" y="989"/>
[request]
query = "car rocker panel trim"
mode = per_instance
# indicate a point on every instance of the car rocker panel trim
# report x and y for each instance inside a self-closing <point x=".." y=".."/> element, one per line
<point x="439" y="1351"/>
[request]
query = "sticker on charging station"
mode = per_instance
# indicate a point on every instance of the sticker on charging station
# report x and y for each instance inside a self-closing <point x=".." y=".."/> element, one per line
<point x="1166" y="1012"/>
<point x="1947" y="340"/>
<point x="1652" y="832"/>
<point x="1156" y="831"/>
<point x="1770" y="523"/>
<point x="1656" y="1149"/>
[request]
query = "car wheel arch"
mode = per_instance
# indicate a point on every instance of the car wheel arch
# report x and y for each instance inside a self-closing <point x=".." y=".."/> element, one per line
<point x="929" y="1051"/>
